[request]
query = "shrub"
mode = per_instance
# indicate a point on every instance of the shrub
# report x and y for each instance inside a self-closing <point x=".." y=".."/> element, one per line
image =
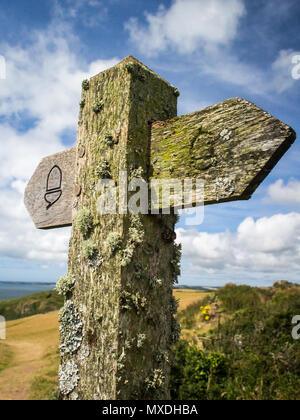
<point x="197" y="375"/>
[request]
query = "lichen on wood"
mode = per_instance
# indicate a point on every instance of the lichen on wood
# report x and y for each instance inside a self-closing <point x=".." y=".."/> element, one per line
<point x="126" y="317"/>
<point x="65" y="285"/>
<point x="232" y="146"/>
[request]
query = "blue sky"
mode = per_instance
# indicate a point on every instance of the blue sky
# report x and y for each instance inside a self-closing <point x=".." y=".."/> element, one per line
<point x="211" y="50"/>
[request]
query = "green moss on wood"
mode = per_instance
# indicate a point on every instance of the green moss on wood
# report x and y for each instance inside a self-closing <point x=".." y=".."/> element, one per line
<point x="108" y="140"/>
<point x="98" y="105"/>
<point x="85" y="85"/>
<point x="113" y="242"/>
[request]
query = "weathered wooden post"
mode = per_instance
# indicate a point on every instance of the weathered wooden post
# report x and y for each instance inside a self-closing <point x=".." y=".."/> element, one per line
<point x="117" y="326"/>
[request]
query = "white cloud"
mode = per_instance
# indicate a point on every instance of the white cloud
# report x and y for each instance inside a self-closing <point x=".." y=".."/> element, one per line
<point x="203" y="31"/>
<point x="87" y="12"/>
<point x="19" y="238"/>
<point x="268" y="245"/>
<point x="187" y="26"/>
<point x="283" y="70"/>
<point x="43" y="84"/>
<point x="39" y="103"/>
<point x="276" y="78"/>
<point x="284" y="194"/>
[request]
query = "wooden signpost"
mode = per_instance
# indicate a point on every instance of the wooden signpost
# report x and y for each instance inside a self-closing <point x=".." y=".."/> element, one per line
<point x="117" y="326"/>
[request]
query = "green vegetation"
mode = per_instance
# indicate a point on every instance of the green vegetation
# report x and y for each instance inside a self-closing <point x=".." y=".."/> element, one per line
<point x="188" y="317"/>
<point x="249" y="354"/>
<point x="38" y="303"/>
<point x="197" y="375"/>
<point x="6" y="356"/>
<point x="245" y="351"/>
<point x="44" y="384"/>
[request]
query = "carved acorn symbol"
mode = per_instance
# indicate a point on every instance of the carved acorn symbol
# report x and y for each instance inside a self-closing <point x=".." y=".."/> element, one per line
<point x="53" y="187"/>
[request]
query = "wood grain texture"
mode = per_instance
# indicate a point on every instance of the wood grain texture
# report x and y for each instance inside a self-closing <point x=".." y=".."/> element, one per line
<point x="232" y="146"/>
<point x="59" y="214"/>
<point x="122" y="290"/>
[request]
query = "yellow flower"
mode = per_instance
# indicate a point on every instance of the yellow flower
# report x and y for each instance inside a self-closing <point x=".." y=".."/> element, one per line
<point x="204" y="312"/>
<point x="207" y="318"/>
<point x="208" y="308"/>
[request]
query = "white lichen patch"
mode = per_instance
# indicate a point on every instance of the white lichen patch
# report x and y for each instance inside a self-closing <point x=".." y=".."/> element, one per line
<point x="136" y="173"/>
<point x="140" y="341"/>
<point x="74" y="396"/>
<point x="103" y="169"/>
<point x="136" y="236"/>
<point x="68" y="377"/>
<point x="223" y="187"/>
<point x="84" y="353"/>
<point x="226" y="134"/>
<point x="156" y="282"/>
<point x="162" y="356"/>
<point x="84" y="221"/>
<point x="156" y="381"/>
<point x="121" y="360"/>
<point x="65" y="285"/>
<point x="132" y="301"/>
<point x="89" y="249"/>
<point x="70" y="329"/>
<point x="113" y="242"/>
<point x="92" y="254"/>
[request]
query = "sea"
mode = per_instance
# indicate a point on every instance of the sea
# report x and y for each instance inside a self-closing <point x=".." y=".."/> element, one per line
<point x="11" y="290"/>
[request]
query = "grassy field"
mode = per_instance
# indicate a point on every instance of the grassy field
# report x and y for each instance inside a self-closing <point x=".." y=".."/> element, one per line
<point x="186" y="297"/>
<point x="29" y="357"/>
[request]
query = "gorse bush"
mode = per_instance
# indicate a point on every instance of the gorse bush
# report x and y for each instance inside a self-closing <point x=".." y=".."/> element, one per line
<point x="197" y="375"/>
<point x="187" y="317"/>
<point x="262" y="359"/>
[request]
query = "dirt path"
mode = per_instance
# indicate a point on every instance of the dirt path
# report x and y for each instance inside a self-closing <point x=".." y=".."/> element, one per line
<point x="29" y="340"/>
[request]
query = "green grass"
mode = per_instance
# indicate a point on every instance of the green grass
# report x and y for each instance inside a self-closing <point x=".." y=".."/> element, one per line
<point x="44" y="385"/>
<point x="6" y="356"/>
<point x="38" y="303"/>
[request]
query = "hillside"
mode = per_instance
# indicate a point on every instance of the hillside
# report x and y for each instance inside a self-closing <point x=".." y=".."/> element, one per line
<point x="236" y="344"/>
<point x="37" y="303"/>
<point x="239" y="346"/>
